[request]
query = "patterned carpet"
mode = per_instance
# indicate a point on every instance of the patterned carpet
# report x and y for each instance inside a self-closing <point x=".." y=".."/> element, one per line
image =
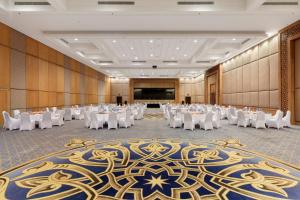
<point x="152" y="169"/>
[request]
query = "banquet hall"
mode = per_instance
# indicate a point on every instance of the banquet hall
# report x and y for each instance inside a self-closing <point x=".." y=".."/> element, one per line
<point x="140" y="99"/>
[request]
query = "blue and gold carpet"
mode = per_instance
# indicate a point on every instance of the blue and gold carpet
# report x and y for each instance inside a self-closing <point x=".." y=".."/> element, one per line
<point x="152" y="169"/>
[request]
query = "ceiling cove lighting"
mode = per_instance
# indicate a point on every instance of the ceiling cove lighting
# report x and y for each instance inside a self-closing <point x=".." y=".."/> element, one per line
<point x="80" y="53"/>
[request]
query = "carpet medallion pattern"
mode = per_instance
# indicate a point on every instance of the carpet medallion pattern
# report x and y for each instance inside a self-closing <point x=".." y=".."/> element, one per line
<point x="152" y="169"/>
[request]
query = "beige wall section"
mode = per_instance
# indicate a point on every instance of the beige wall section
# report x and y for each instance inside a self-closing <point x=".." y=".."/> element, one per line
<point x="119" y="86"/>
<point x="252" y="78"/>
<point x="193" y="87"/>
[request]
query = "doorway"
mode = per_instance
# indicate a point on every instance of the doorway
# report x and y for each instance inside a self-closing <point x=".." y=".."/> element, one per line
<point x="297" y="81"/>
<point x="212" y="95"/>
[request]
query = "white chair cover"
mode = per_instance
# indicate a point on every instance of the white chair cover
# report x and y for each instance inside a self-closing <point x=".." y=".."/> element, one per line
<point x="68" y="114"/>
<point x="17" y="114"/>
<point x="287" y="119"/>
<point x="259" y="121"/>
<point x="9" y="122"/>
<point x="58" y="120"/>
<point x="206" y="123"/>
<point x="46" y="121"/>
<point x="95" y="122"/>
<point x="217" y="119"/>
<point x="125" y="121"/>
<point x="112" y="121"/>
<point x="26" y="123"/>
<point x="87" y="119"/>
<point x="275" y="122"/>
<point x="188" y="123"/>
<point x="242" y="120"/>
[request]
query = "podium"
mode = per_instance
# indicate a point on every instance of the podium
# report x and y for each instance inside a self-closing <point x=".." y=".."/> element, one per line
<point x="119" y="100"/>
<point x="188" y="100"/>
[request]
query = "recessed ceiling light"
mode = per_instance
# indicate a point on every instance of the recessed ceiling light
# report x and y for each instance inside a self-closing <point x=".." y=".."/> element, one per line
<point x="131" y="48"/>
<point x="151" y="41"/>
<point x="177" y="48"/>
<point x="123" y="55"/>
<point x="185" y="55"/>
<point x="114" y="41"/>
<point x="151" y="55"/>
<point x="135" y="58"/>
<point x="234" y="39"/>
<point x="195" y="41"/>
<point x="75" y="39"/>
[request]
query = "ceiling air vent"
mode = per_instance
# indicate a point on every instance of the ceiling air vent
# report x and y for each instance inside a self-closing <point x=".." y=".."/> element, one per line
<point x="138" y="61"/>
<point x="203" y="61"/>
<point x="64" y="41"/>
<point x="170" y="61"/>
<point x="32" y="3"/>
<point x="281" y="3"/>
<point x="125" y="3"/>
<point x="195" y="3"/>
<point x="245" y="41"/>
<point x="105" y="62"/>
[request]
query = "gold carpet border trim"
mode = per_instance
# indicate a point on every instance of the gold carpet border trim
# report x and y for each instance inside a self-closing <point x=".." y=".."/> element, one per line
<point x="5" y="172"/>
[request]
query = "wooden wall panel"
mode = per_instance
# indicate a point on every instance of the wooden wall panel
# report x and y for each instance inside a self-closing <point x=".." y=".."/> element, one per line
<point x="52" y="77"/>
<point x="75" y="82"/>
<point x="32" y="99"/>
<point x="60" y="79"/>
<point x="4" y="102"/>
<point x="52" y="55"/>
<point x="59" y="59"/>
<point x="43" y="75"/>
<point x="60" y="99"/>
<point x="52" y="99"/>
<point x="4" y="34"/>
<point x="43" y="99"/>
<point x="32" y="73"/>
<point x="32" y="46"/>
<point x="4" y="67"/>
<point x="43" y="51"/>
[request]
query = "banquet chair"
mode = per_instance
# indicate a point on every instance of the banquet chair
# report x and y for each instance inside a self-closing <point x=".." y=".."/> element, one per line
<point x="17" y="114"/>
<point x="87" y="119"/>
<point x="58" y="120"/>
<point x="46" y="121"/>
<point x="47" y="109"/>
<point x="54" y="109"/>
<point x="95" y="122"/>
<point x="26" y="123"/>
<point x="286" y="120"/>
<point x="10" y="122"/>
<point x="68" y="114"/>
<point x="188" y="122"/>
<point x="242" y="119"/>
<point x="79" y="115"/>
<point x="232" y="120"/>
<point x="259" y="121"/>
<point x="139" y="114"/>
<point x="217" y="119"/>
<point x="175" y="122"/>
<point x="206" y="123"/>
<point x="112" y="121"/>
<point x="275" y="122"/>
<point x="125" y="121"/>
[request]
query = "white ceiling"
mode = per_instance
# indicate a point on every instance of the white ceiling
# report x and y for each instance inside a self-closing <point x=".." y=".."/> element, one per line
<point x="127" y="40"/>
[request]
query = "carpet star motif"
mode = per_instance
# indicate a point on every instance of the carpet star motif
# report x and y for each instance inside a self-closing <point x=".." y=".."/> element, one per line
<point x="156" y="181"/>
